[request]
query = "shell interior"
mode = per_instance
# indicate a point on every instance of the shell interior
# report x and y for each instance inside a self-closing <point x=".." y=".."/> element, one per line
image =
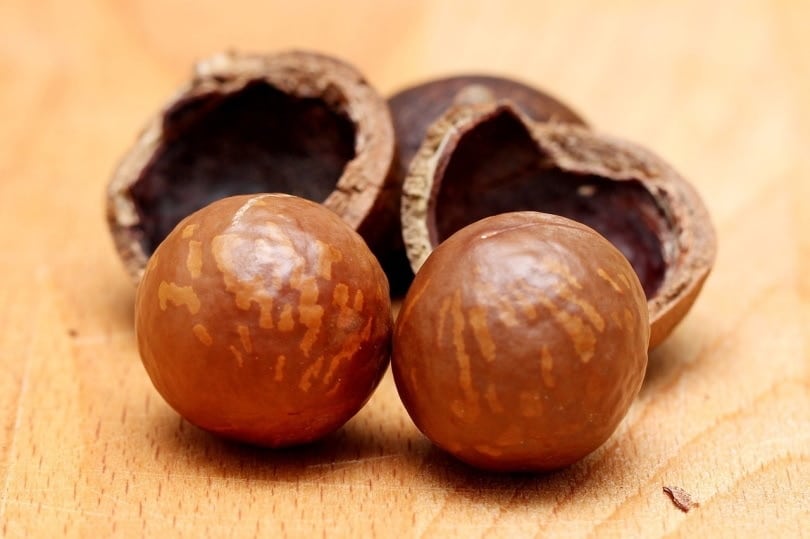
<point x="257" y="139"/>
<point x="497" y="167"/>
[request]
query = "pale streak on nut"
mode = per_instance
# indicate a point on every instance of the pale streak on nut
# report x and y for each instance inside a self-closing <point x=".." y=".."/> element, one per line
<point x="188" y="231"/>
<point x="604" y="275"/>
<point x="586" y="307"/>
<point x="487" y="295"/>
<point x="278" y="372"/>
<point x="340" y="295"/>
<point x="488" y="450"/>
<point x="236" y="220"/>
<point x="349" y="317"/>
<point x="463" y="358"/>
<point x="561" y="270"/>
<point x="244" y="336"/>
<point x="491" y="396"/>
<point x="406" y="313"/>
<point x="312" y="372"/>
<point x="237" y="355"/>
<point x="310" y="314"/>
<point x="478" y="322"/>
<point x="578" y="331"/>
<point x="522" y="293"/>
<point x="328" y="256"/>
<point x="194" y="258"/>
<point x="444" y="309"/>
<point x="202" y="334"/>
<point x="179" y="296"/>
<point x="350" y="344"/>
<point x="285" y="320"/>
<point x="331" y="392"/>
<point x="358" y="300"/>
<point x="629" y="317"/>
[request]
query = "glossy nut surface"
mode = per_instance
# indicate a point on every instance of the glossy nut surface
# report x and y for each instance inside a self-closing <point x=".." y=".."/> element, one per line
<point x="522" y="342"/>
<point x="264" y="318"/>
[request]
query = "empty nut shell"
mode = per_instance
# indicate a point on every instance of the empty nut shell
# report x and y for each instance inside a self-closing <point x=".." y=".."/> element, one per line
<point x="415" y="108"/>
<point x="485" y="159"/>
<point x="264" y="318"/>
<point x="522" y="342"/>
<point x="298" y="122"/>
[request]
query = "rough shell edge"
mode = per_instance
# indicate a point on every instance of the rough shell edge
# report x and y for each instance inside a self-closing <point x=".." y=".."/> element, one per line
<point x="299" y="73"/>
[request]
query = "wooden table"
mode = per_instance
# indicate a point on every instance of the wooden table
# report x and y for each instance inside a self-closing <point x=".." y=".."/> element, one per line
<point x="88" y="448"/>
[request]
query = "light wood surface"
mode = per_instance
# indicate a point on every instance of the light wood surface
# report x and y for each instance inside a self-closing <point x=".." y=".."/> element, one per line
<point x="88" y="448"/>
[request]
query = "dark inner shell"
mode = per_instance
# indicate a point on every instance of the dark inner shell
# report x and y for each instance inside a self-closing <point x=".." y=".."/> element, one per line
<point x="497" y="167"/>
<point x="256" y="140"/>
<point x="415" y="108"/>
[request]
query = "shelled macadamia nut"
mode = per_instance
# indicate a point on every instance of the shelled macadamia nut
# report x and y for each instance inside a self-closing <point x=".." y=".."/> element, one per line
<point x="522" y="342"/>
<point x="264" y="318"/>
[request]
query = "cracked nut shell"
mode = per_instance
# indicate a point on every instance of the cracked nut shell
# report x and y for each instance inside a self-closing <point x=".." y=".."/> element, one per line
<point x="296" y="122"/>
<point x="484" y="159"/>
<point x="264" y="318"/>
<point x="415" y="108"/>
<point x="522" y="342"/>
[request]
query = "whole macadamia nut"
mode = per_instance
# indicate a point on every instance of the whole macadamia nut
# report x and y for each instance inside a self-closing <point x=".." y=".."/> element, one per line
<point x="264" y="318"/>
<point x="522" y="342"/>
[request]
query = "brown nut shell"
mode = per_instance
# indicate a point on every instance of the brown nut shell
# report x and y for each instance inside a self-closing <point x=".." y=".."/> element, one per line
<point x="415" y="108"/>
<point x="522" y="342"/>
<point x="480" y="160"/>
<point x="295" y="122"/>
<point x="264" y="318"/>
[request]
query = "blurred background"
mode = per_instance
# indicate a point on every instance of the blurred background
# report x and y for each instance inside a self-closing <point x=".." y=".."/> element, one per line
<point x="720" y="89"/>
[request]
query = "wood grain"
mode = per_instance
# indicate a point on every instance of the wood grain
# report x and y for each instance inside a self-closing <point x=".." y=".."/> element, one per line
<point x="87" y="447"/>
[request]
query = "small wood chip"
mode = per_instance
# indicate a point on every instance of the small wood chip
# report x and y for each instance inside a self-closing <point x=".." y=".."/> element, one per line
<point x="682" y="499"/>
